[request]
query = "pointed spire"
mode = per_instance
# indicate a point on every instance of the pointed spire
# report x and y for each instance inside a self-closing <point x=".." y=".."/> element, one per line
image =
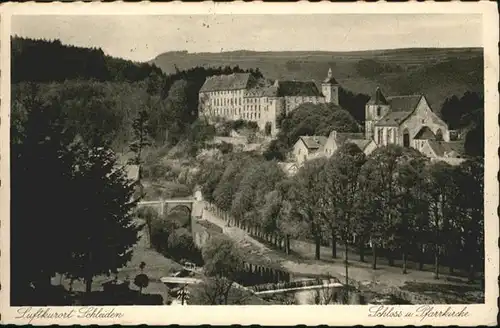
<point x="329" y="78"/>
<point x="378" y="98"/>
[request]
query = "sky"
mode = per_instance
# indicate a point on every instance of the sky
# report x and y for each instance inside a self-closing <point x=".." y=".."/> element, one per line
<point x="142" y="38"/>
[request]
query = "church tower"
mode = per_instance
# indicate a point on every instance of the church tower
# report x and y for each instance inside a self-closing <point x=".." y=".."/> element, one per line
<point x="330" y="89"/>
<point x="376" y="108"/>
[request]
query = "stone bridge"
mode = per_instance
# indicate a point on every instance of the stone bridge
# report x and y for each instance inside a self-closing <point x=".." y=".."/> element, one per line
<point x="167" y="206"/>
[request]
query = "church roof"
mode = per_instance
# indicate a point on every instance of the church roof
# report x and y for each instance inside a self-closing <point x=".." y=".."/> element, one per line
<point x="313" y="142"/>
<point x="233" y="81"/>
<point x="425" y="133"/>
<point x="404" y="103"/>
<point x="378" y="98"/>
<point x="393" y="119"/>
<point x="401" y="108"/>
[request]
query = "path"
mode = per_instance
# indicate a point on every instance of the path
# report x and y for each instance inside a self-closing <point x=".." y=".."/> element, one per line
<point x="360" y="273"/>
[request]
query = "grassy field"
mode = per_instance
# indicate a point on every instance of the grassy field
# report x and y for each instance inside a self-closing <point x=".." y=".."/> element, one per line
<point x="437" y="73"/>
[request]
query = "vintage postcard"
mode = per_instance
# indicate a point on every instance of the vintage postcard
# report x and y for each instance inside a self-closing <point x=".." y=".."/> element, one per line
<point x="249" y="163"/>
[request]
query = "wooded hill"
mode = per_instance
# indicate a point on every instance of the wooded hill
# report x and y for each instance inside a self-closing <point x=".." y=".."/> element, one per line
<point x="436" y="72"/>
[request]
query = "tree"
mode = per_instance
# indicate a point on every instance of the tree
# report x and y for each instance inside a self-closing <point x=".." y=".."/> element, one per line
<point x="306" y="199"/>
<point x="104" y="243"/>
<point x="288" y="220"/>
<point x="411" y="200"/>
<point x="441" y="206"/>
<point x="41" y="158"/>
<point x="141" y="280"/>
<point x="309" y="119"/>
<point x="470" y="182"/>
<point x="142" y="138"/>
<point x="223" y="264"/>
<point x="341" y="192"/>
<point x="378" y="197"/>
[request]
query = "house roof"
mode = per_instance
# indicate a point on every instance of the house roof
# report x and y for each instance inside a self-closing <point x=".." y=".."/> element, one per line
<point x="441" y="148"/>
<point x="297" y="89"/>
<point x="404" y="103"/>
<point x="233" y="81"/>
<point x="344" y="136"/>
<point x="361" y="143"/>
<point x="378" y="98"/>
<point x="313" y="142"/>
<point x="425" y="133"/>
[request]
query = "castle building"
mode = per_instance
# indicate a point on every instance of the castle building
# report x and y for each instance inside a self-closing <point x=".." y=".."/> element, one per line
<point x="241" y="96"/>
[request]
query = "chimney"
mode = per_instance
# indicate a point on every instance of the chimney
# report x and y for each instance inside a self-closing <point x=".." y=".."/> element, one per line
<point x="276" y="82"/>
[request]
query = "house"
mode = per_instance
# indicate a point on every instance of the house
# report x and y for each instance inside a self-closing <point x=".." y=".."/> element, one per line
<point x="337" y="139"/>
<point x="308" y="147"/>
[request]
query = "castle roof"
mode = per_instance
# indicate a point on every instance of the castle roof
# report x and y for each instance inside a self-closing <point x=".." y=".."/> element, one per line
<point x="233" y="81"/>
<point x="378" y="98"/>
<point x="297" y="89"/>
<point x="330" y="79"/>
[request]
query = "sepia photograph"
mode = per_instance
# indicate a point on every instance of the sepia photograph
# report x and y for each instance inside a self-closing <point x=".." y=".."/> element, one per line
<point x="247" y="159"/>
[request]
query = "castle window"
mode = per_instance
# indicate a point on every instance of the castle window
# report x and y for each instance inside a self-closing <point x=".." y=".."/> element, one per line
<point x="379" y="111"/>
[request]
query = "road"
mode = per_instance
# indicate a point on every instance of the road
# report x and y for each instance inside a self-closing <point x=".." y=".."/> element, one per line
<point x="359" y="272"/>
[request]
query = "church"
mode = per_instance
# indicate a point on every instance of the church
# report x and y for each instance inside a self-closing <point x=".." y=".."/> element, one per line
<point x="407" y="121"/>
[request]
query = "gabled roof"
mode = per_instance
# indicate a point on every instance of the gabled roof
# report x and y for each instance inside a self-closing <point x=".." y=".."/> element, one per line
<point x="344" y="136"/>
<point x="442" y="148"/>
<point x="233" y="81"/>
<point x="361" y="143"/>
<point x="425" y="133"/>
<point x="378" y="98"/>
<point x="393" y="119"/>
<point x="313" y="142"/>
<point x="298" y="89"/>
<point x="401" y="108"/>
<point x="267" y="91"/>
<point x="404" y="103"/>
